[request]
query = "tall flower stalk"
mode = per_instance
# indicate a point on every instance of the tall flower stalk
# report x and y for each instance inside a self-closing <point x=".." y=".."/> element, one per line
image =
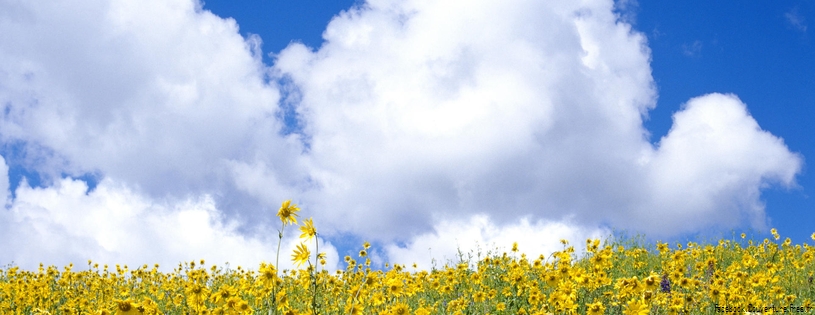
<point x="288" y="215"/>
<point x="308" y="232"/>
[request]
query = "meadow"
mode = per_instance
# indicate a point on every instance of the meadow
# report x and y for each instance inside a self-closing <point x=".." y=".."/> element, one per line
<point x="617" y="275"/>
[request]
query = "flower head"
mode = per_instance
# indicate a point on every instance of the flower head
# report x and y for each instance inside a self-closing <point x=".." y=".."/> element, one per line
<point x="400" y="309"/>
<point x="665" y="284"/>
<point x="288" y="212"/>
<point x="301" y="254"/>
<point x="636" y="308"/>
<point x="595" y="308"/>
<point x="354" y="309"/>
<point x="127" y="307"/>
<point x="307" y="230"/>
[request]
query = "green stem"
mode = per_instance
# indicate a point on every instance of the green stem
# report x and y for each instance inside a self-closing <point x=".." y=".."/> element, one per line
<point x="279" y="240"/>
<point x="276" y="266"/>
<point x="314" y="274"/>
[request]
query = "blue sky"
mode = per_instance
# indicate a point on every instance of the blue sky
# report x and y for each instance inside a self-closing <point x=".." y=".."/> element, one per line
<point x="761" y="51"/>
<point x="402" y="123"/>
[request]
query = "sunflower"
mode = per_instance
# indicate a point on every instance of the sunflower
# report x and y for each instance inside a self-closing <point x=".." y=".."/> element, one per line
<point x="301" y="254"/>
<point x="394" y="287"/>
<point x="595" y="308"/>
<point x="354" y="309"/>
<point x="400" y="309"/>
<point x="636" y="308"/>
<point x="307" y="230"/>
<point x="422" y="311"/>
<point x="127" y="307"/>
<point x="479" y="296"/>
<point x="288" y="212"/>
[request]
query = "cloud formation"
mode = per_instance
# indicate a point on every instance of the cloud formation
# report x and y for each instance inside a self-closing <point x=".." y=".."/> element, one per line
<point x="141" y="91"/>
<point x="161" y="97"/>
<point x="427" y="115"/>
<point x="419" y="127"/>
<point x="536" y="110"/>
<point x="114" y="225"/>
<point x="710" y="167"/>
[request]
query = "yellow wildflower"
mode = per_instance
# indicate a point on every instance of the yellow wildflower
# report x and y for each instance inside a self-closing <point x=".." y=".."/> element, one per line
<point x="288" y="212"/>
<point x="354" y="309"/>
<point x="301" y="254"/>
<point x="307" y="230"/>
<point x="127" y="307"/>
<point x="400" y="309"/>
<point x="636" y="308"/>
<point x="595" y="308"/>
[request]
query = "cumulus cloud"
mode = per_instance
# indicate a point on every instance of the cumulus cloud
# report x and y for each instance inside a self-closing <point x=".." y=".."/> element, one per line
<point x="113" y="225"/>
<point x="143" y="92"/>
<point x="416" y="114"/>
<point x="160" y="97"/>
<point x="513" y="110"/>
<point x="710" y="168"/>
<point x="419" y="127"/>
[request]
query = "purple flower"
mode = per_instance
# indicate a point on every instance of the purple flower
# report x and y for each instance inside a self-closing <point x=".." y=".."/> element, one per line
<point x="665" y="284"/>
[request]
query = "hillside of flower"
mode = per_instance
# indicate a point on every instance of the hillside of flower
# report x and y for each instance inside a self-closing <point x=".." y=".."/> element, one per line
<point x="612" y="276"/>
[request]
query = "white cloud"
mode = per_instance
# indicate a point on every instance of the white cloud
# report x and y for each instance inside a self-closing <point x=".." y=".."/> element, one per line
<point x="415" y="113"/>
<point x="112" y="224"/>
<point x="161" y="97"/>
<point x="477" y="236"/>
<point x="423" y="127"/>
<point x="510" y="110"/>
<point x="143" y="92"/>
<point x="710" y="167"/>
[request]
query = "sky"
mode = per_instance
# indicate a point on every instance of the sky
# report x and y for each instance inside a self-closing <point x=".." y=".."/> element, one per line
<point x="141" y="132"/>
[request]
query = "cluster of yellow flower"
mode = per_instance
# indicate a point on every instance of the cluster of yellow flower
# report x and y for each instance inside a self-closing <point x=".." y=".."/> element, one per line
<point x="615" y="277"/>
<point x="288" y="216"/>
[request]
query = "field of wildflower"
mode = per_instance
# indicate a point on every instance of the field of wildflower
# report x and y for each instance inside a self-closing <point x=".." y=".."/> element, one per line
<point x="613" y="276"/>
